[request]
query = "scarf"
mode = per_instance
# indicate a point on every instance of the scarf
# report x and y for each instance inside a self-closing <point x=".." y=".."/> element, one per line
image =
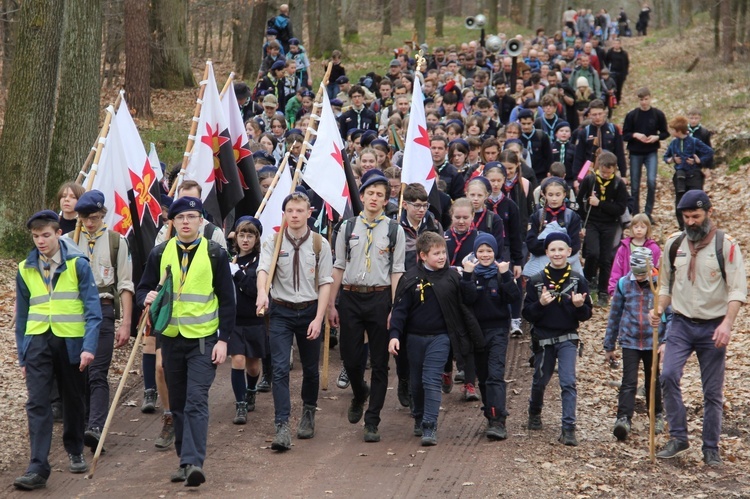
<point x="562" y="151"/>
<point x="370" y="226"/>
<point x="422" y="287"/>
<point x="46" y="274"/>
<point x="186" y="249"/>
<point x="459" y="243"/>
<point x="551" y="127"/>
<point x="296" y="243"/>
<point x="693" y="129"/>
<point x="92" y="238"/>
<point x="494" y="203"/>
<point x="554" y="214"/>
<point x="557" y="285"/>
<point x="475" y="225"/>
<point x="695" y="247"/>
<point x="603" y="186"/>
<point x="528" y="141"/>
<point x="487" y="272"/>
<point x="510" y="184"/>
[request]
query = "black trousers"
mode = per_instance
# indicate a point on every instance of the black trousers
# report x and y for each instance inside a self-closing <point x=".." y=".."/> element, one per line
<point x="631" y="359"/>
<point x="360" y="312"/>
<point x="598" y="251"/>
<point x="693" y="180"/>
<point x="97" y="383"/>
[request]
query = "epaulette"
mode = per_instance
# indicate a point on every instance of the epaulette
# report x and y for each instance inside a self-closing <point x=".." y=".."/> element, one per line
<point x="728" y="237"/>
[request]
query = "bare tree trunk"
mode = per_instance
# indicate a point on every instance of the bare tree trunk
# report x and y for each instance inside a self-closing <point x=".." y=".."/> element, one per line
<point x="254" y="45"/>
<point x="491" y="17"/>
<point x="297" y="15"/>
<point x="9" y="20"/>
<point x="742" y="23"/>
<point x="221" y="36"/>
<point x="170" y="62"/>
<point x="716" y="11"/>
<point x="236" y="32"/>
<point x="206" y="33"/>
<point x="29" y="118"/>
<point x="138" y="67"/>
<point x="113" y="40"/>
<point x="350" y="10"/>
<point x="727" y="32"/>
<point x="330" y="39"/>
<point x="387" y="13"/>
<point x="77" y="113"/>
<point x="396" y="12"/>
<point x="439" y="17"/>
<point x="516" y="11"/>
<point x="313" y="28"/>
<point x="420" y="20"/>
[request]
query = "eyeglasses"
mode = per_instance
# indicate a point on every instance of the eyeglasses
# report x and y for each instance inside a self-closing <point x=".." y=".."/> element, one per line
<point x="186" y="218"/>
<point x="92" y="218"/>
<point x="419" y="206"/>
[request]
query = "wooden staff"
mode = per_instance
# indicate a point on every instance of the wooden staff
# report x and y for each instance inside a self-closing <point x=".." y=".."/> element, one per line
<point x="275" y="181"/>
<point x="102" y="135"/>
<point x="142" y="324"/>
<point x="295" y="180"/>
<point x="227" y="84"/>
<point x="95" y="164"/>
<point x="654" y="364"/>
<point x="327" y="333"/>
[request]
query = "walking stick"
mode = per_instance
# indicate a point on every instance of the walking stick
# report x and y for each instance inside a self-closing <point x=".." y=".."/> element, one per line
<point x="654" y="367"/>
<point x="295" y="180"/>
<point x="102" y="135"/>
<point x="142" y="324"/>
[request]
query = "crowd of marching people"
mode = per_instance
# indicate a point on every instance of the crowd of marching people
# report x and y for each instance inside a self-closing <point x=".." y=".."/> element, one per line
<point x="535" y="215"/>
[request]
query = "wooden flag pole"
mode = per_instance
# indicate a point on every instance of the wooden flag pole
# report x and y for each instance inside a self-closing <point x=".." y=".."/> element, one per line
<point x="316" y="114"/>
<point x="102" y="135"/>
<point x="227" y="85"/>
<point x="327" y="331"/>
<point x="654" y="365"/>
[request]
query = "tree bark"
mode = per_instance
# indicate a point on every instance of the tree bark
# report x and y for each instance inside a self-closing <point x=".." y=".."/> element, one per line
<point x="727" y="32"/>
<point x="491" y="27"/>
<point x="330" y="39"/>
<point x="742" y="23"/>
<point x="29" y="118"/>
<point x="254" y="45"/>
<point x="440" y="17"/>
<point x="420" y="20"/>
<point x="170" y="61"/>
<point x="387" y="13"/>
<point x="716" y="11"/>
<point x="313" y="28"/>
<point x="296" y="14"/>
<point x="10" y="32"/>
<point x="396" y="10"/>
<point x="138" y="67"/>
<point x="350" y="10"/>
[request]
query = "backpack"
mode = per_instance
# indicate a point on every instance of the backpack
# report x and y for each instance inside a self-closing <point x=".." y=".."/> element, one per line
<point x="599" y="150"/>
<point x="719" y="238"/>
<point x="114" y="249"/>
<point x="350" y="222"/>
<point x="567" y="216"/>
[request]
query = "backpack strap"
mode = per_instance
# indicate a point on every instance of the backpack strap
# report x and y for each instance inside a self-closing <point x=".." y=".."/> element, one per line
<point x="317" y="247"/>
<point x="114" y="250"/>
<point x="621" y="285"/>
<point x="208" y="230"/>
<point x="672" y="255"/>
<point x="720" y="252"/>
<point x="392" y="237"/>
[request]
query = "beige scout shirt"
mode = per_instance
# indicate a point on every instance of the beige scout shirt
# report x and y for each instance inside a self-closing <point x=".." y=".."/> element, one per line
<point x="104" y="270"/>
<point x="283" y="282"/>
<point x="355" y="270"/>
<point x="708" y="296"/>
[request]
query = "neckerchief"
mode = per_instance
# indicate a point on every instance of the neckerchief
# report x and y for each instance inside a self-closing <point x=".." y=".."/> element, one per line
<point x="551" y="127"/>
<point x="554" y="214"/>
<point x="46" y="273"/>
<point x="92" y="238"/>
<point x="562" y="150"/>
<point x="422" y="287"/>
<point x="528" y="141"/>
<point x="695" y="247"/>
<point x="440" y="170"/>
<point x="494" y="203"/>
<point x="557" y="284"/>
<point x="459" y="243"/>
<point x="475" y="225"/>
<point x="370" y="226"/>
<point x="603" y="185"/>
<point x="510" y="184"/>
<point x="296" y="243"/>
<point x="693" y="129"/>
<point x="186" y="249"/>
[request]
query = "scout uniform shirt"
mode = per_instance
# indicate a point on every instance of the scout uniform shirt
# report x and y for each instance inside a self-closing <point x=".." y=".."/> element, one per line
<point x="355" y="270"/>
<point x="104" y="270"/>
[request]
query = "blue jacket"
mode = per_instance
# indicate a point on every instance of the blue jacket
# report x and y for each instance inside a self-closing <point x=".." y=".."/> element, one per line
<point x="88" y="293"/>
<point x="628" y="317"/>
<point x="686" y="148"/>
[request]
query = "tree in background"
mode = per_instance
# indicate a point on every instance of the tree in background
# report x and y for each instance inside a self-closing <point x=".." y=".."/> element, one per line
<point x="138" y="68"/>
<point x="170" y="61"/>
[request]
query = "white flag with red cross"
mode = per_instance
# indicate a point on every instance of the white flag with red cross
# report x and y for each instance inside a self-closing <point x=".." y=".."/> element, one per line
<point x="270" y="217"/>
<point x="417" y="164"/>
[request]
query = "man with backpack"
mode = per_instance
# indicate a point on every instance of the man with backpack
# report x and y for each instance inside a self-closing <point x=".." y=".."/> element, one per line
<point x="283" y="26"/>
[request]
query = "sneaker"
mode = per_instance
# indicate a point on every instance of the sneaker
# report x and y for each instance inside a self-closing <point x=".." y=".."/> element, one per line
<point x="673" y="449"/>
<point x="447" y="383"/>
<point x="306" y="428"/>
<point x="568" y="437"/>
<point x="602" y="300"/>
<point x="57" y="417"/>
<point x="371" y="433"/>
<point x="535" y="422"/>
<point x="403" y="392"/>
<point x="180" y="475"/>
<point x="659" y="425"/>
<point x="166" y="437"/>
<point x="357" y="408"/>
<point x="77" y="463"/>
<point x="333" y="338"/>
<point x="250" y="399"/>
<point x="515" y="328"/>
<point x="149" y="401"/>
<point x="622" y="428"/>
<point x="264" y="385"/>
<point x="429" y="434"/>
<point x="91" y="438"/>
<point x="241" y="414"/>
<point x="417" y="427"/>
<point x="711" y="457"/>
<point x="343" y="379"/>
<point x="496" y="430"/>
<point x="283" y="439"/>
<point x="194" y="476"/>
<point x="30" y="481"/>
<point x="459" y="377"/>
<point x="470" y="393"/>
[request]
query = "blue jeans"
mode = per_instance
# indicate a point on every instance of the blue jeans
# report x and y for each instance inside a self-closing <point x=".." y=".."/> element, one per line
<point x="684" y="338"/>
<point x="636" y="162"/>
<point x="491" y="372"/>
<point x="427" y="356"/>
<point x="285" y="325"/>
<point x="565" y="354"/>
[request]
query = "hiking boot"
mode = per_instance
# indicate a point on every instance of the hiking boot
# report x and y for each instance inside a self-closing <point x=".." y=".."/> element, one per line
<point x="333" y="338"/>
<point x="306" y="428"/>
<point x="357" y="407"/>
<point x="30" y="481"/>
<point x="264" y="385"/>
<point x="149" y="401"/>
<point x="602" y="300"/>
<point x="250" y="399"/>
<point x="535" y="422"/>
<point x="515" y="328"/>
<point x="673" y="449"/>
<point x="622" y="428"/>
<point x="447" y="383"/>
<point x="429" y="434"/>
<point x="56" y="417"/>
<point x="371" y="433"/>
<point x="459" y="377"/>
<point x="343" y="379"/>
<point x="166" y="437"/>
<point x="180" y="475"/>
<point x="417" y="427"/>
<point x="470" y="393"/>
<point x="403" y="392"/>
<point x="77" y="463"/>
<point x="194" y="476"/>
<point x="568" y="437"/>
<point x="241" y="414"/>
<point x="659" y="424"/>
<point x="91" y="438"/>
<point x="496" y="430"/>
<point x="711" y="457"/>
<point x="283" y="439"/>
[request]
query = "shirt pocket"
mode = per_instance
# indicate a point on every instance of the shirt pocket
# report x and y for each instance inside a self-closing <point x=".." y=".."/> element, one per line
<point x="308" y="267"/>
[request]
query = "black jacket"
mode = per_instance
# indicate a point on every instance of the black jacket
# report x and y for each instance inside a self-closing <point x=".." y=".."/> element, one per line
<point x="490" y="298"/>
<point x="363" y="120"/>
<point x="609" y="210"/>
<point x="651" y="122"/>
<point x="586" y="146"/>
<point x="559" y="317"/>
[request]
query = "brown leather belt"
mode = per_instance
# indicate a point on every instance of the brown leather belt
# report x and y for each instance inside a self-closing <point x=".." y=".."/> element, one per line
<point x="294" y="306"/>
<point x="699" y="321"/>
<point x="365" y="289"/>
<point x="106" y="301"/>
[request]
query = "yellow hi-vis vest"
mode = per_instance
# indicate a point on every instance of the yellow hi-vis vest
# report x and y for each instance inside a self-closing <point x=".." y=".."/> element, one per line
<point x="61" y="310"/>
<point x="195" y="309"/>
